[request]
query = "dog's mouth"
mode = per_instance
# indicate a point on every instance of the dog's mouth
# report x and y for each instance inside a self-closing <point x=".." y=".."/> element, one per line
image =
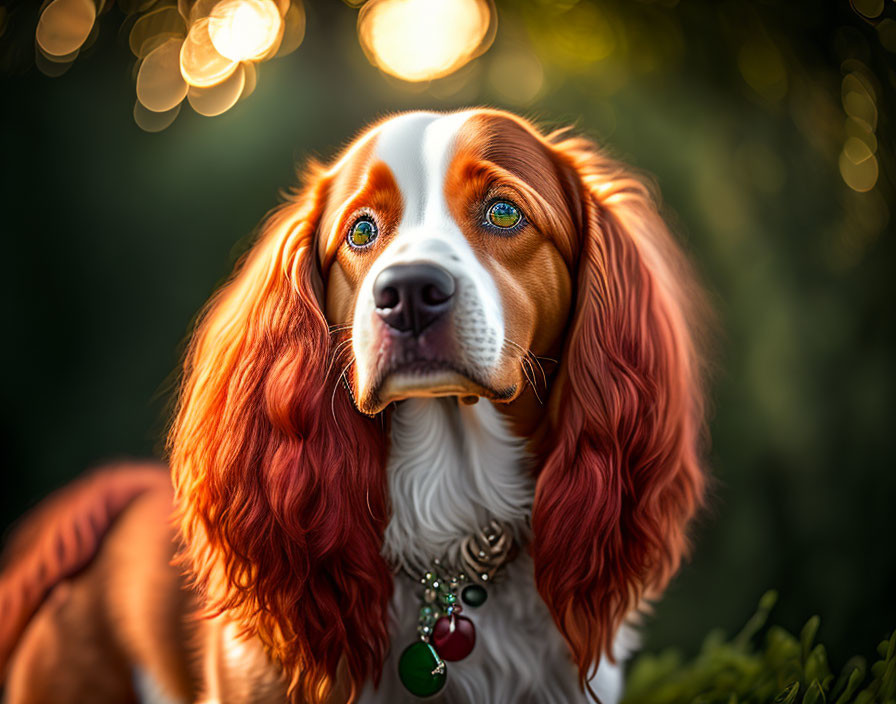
<point x="408" y="373"/>
<point x="415" y="375"/>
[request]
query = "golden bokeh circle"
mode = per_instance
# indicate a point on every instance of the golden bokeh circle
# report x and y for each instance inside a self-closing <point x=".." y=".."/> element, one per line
<point x="150" y="121"/>
<point x="293" y="29"/>
<point x="200" y="63"/>
<point x="162" y="23"/>
<point x="64" y="26"/>
<point x="421" y="40"/>
<point x="245" y="30"/>
<point x="858" y="165"/>
<point x="160" y="84"/>
<point x="217" y="99"/>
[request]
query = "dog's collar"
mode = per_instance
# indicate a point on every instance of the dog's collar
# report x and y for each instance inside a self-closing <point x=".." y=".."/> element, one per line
<point x="443" y="633"/>
<point x="481" y="558"/>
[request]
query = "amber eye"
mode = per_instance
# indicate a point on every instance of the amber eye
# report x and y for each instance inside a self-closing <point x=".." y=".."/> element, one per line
<point x="363" y="232"/>
<point x="504" y="214"/>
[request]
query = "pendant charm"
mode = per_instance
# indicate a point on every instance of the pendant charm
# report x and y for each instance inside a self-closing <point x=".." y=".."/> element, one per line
<point x="444" y="634"/>
<point x="474" y="595"/>
<point x="421" y="670"/>
<point x="454" y="637"/>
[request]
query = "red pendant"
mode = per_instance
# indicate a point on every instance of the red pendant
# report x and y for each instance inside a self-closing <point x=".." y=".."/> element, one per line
<point x="454" y="637"/>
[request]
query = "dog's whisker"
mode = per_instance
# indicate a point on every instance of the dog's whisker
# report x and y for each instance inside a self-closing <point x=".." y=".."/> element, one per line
<point x="526" y="363"/>
<point x="334" y="355"/>
<point x="336" y="388"/>
<point x="540" y="367"/>
<point x="340" y="346"/>
<point x="529" y="379"/>
<point x="546" y="359"/>
<point x="516" y="346"/>
<point x="525" y="371"/>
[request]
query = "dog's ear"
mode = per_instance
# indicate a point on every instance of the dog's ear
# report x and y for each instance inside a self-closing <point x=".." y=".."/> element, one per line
<point x="622" y="475"/>
<point x="279" y="480"/>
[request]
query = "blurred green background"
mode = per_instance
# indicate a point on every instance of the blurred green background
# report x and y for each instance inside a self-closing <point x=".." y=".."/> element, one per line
<point x="743" y="112"/>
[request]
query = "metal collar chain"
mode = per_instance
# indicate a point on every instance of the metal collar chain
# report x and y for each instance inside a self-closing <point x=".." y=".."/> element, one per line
<point x="444" y="634"/>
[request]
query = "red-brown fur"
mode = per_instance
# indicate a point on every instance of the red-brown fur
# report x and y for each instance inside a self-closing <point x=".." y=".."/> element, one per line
<point x="279" y="480"/>
<point x="124" y="606"/>
<point x="280" y="487"/>
<point x="627" y="417"/>
<point x="60" y="539"/>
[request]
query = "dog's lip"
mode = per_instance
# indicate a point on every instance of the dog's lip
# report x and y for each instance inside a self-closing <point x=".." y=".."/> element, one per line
<point x="449" y="379"/>
<point x="429" y="365"/>
<point x="422" y="367"/>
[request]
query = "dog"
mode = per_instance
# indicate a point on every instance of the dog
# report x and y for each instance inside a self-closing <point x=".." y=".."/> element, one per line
<point x="439" y="436"/>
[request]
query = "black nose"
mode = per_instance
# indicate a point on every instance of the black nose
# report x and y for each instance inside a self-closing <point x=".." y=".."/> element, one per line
<point x="410" y="297"/>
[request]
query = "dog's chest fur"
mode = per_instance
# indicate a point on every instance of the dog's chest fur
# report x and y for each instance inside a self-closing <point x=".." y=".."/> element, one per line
<point x="452" y="468"/>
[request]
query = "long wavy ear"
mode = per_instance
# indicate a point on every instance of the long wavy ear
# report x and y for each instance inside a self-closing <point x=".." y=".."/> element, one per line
<point x="279" y="480"/>
<point x="622" y="478"/>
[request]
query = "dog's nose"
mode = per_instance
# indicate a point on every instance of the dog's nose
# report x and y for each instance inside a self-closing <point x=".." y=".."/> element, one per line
<point x="410" y="297"/>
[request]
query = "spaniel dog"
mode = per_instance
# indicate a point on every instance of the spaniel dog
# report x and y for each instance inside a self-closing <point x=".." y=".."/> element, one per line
<point x="438" y="436"/>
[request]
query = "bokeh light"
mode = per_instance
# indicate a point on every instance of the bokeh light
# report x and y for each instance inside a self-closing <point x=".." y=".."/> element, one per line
<point x="64" y="26"/>
<point x="200" y="63"/>
<point x="202" y="51"/>
<point x="160" y="84"/>
<point x="244" y="30"/>
<point x="868" y="8"/>
<point x="251" y="80"/>
<point x="762" y="67"/>
<point x="886" y="31"/>
<point x="293" y="29"/>
<point x="517" y="75"/>
<point x="421" y="40"/>
<point x="579" y="34"/>
<point x="219" y="98"/>
<point x="155" y="27"/>
<point x="51" y="66"/>
<point x="858" y="164"/>
<point x="150" y="121"/>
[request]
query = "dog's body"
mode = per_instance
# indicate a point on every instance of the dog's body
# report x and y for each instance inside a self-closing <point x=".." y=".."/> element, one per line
<point x="302" y="525"/>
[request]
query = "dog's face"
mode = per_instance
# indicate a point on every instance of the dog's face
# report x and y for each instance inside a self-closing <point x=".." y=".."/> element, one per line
<point x="445" y="246"/>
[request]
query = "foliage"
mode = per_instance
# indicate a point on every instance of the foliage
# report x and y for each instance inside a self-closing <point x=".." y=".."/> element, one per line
<point x="787" y="670"/>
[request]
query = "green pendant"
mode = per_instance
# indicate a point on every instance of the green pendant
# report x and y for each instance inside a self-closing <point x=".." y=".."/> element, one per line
<point x="421" y="669"/>
<point x="474" y="595"/>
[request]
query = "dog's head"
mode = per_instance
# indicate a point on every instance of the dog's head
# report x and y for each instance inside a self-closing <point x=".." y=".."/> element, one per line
<point x="440" y="255"/>
<point x="448" y="254"/>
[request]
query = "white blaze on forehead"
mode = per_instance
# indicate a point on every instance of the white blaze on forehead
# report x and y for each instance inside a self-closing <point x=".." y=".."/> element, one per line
<point x="418" y="148"/>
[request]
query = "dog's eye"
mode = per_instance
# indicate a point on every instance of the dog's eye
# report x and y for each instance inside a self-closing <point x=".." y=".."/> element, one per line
<point x="363" y="232"/>
<point x="504" y="214"/>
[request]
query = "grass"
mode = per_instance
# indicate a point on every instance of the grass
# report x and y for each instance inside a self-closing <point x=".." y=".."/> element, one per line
<point x="785" y="670"/>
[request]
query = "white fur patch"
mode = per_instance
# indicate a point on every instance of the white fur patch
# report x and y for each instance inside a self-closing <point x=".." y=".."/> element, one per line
<point x="418" y="148"/>
<point x="450" y="469"/>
